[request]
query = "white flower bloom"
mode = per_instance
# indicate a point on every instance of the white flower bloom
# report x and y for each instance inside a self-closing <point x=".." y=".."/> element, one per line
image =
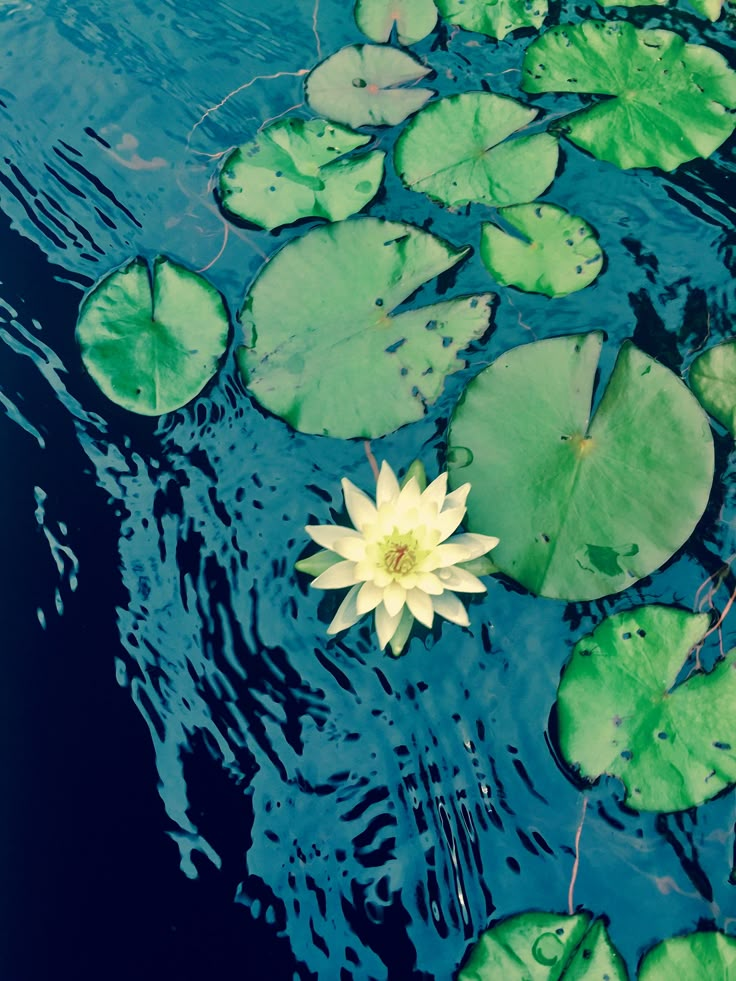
<point x="399" y="559"/>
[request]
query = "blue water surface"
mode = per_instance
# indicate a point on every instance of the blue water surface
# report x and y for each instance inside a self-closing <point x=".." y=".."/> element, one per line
<point x="198" y="782"/>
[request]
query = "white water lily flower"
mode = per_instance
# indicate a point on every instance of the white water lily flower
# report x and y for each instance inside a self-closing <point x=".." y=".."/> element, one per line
<point x="399" y="559"/>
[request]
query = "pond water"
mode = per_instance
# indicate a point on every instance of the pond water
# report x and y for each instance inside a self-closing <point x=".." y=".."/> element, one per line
<point x="198" y="782"/>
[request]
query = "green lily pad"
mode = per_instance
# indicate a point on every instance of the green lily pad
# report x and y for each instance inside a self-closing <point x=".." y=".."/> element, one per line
<point x="414" y="19"/>
<point x="324" y="349"/>
<point x="583" y="507"/>
<point x="496" y="18"/>
<point x="671" y="98"/>
<point x="694" y="957"/>
<point x="707" y="8"/>
<point x="545" y="947"/>
<point x="713" y="379"/>
<point x="453" y="151"/>
<point x="152" y="339"/>
<point x="293" y="169"/>
<point x="552" y="252"/>
<point x="620" y="713"/>
<point x="359" y="86"/>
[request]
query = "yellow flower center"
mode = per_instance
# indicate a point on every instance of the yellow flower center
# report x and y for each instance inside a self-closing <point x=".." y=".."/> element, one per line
<point x="399" y="553"/>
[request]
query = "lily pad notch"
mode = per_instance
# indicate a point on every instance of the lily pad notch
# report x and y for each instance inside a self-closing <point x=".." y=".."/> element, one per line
<point x="152" y="336"/>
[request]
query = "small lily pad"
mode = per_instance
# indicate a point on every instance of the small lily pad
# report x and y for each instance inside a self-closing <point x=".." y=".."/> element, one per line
<point x="324" y="348"/>
<point x="713" y="379"/>
<point x="496" y="18"/>
<point x="551" y="252"/>
<point x="296" y="169"/>
<point x="621" y="712"/>
<point x="414" y="19"/>
<point x="152" y="339"/>
<point x="454" y="151"/>
<point x="583" y="507"/>
<point x="694" y="957"/>
<point x="360" y="86"/>
<point x="672" y="100"/>
<point x="539" y="946"/>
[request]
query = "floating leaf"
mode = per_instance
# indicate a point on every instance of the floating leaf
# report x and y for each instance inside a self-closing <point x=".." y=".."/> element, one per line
<point x="152" y="339"/>
<point x="414" y="19"/>
<point x="545" y="947"/>
<point x="695" y="957"/>
<point x="553" y="252"/>
<point x="672" y="98"/>
<point x="583" y="508"/>
<point x="293" y="170"/>
<point x="358" y="86"/>
<point x="620" y="713"/>
<point x="325" y="350"/>
<point x="713" y="379"/>
<point x="708" y="8"/>
<point x="496" y="18"/>
<point x="453" y="151"/>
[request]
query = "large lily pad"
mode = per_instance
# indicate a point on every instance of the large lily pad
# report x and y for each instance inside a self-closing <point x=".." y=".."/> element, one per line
<point x="552" y="252"/>
<point x="152" y="339"/>
<point x="671" y="98"/>
<point x="545" y="947"/>
<point x="496" y="18"/>
<point x="695" y="957"/>
<point x="360" y="86"/>
<point x="713" y="379"/>
<point x="325" y="350"/>
<point x="414" y="19"/>
<point x="454" y="151"/>
<point x="293" y="169"/>
<point x="620" y="714"/>
<point x="582" y="507"/>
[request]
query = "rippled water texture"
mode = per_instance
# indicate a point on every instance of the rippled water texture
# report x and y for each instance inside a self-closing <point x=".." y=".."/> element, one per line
<point x="373" y="814"/>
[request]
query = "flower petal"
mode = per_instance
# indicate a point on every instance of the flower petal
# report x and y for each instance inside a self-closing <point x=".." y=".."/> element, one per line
<point x="346" y="542"/>
<point x="447" y="521"/>
<point x="476" y="545"/>
<point x="352" y="548"/>
<point x="368" y="598"/>
<point x="360" y="507"/>
<point x="347" y="613"/>
<point x="435" y="492"/>
<point x="444" y="555"/>
<point x="457" y="498"/>
<point x="385" y="625"/>
<point x="420" y="604"/>
<point x="327" y="535"/>
<point x="460" y="580"/>
<point x="387" y="486"/>
<point x="394" y="597"/>
<point x="450" y="607"/>
<point x="409" y="496"/>
<point x="401" y="634"/>
<point x="337" y="577"/>
<point x="430" y="583"/>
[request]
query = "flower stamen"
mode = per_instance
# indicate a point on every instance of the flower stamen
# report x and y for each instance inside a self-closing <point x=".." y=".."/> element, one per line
<point x="399" y="553"/>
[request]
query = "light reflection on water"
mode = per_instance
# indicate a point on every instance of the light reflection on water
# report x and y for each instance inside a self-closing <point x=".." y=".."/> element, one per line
<point x="391" y="808"/>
